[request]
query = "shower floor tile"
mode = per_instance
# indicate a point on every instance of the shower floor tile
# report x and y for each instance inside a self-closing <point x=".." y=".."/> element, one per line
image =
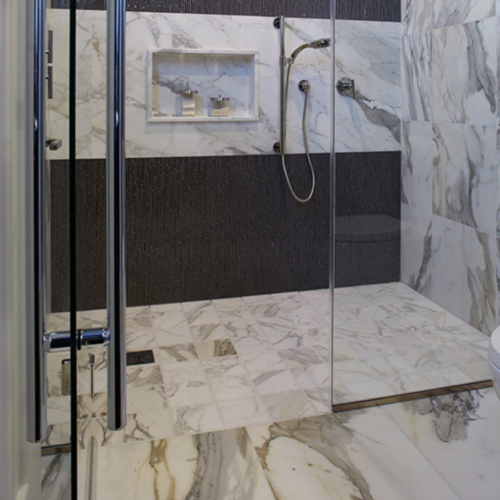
<point x="271" y="353"/>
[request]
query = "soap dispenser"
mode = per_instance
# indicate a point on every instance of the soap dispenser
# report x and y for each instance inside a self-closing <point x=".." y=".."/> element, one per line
<point x="188" y="102"/>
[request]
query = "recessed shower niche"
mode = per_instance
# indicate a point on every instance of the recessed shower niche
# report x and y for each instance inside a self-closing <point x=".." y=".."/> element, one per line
<point x="202" y="76"/>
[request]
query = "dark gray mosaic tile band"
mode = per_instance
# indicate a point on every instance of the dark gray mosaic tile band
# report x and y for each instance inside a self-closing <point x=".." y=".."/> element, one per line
<point x="197" y="228"/>
<point x="213" y="227"/>
<point x="362" y="10"/>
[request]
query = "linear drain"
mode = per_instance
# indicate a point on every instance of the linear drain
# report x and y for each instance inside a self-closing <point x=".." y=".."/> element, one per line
<point x="140" y="358"/>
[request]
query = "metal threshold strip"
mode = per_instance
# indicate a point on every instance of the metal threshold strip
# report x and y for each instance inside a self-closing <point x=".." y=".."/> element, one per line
<point x="411" y="396"/>
<point x="356" y="405"/>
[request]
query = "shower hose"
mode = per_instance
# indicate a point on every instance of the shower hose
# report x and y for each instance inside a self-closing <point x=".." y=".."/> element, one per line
<point x="306" y="143"/>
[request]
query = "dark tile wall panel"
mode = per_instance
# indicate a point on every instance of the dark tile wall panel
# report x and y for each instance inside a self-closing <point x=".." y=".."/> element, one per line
<point x="369" y="10"/>
<point x="368" y="184"/>
<point x="197" y="228"/>
<point x="366" y="10"/>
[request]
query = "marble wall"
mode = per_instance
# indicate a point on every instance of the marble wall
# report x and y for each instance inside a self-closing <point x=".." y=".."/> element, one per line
<point x="450" y="181"/>
<point x="367" y="51"/>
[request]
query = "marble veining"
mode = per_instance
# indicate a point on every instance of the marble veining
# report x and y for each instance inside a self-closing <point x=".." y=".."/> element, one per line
<point x="464" y="264"/>
<point x="447" y="13"/>
<point x="370" y="54"/>
<point x="416" y="249"/>
<point x="465" y="92"/>
<point x="416" y="81"/>
<point x="416" y="16"/>
<point x="272" y="362"/>
<point x="465" y="175"/>
<point x="444" y="447"/>
<point x="416" y="165"/>
<point x="368" y="51"/>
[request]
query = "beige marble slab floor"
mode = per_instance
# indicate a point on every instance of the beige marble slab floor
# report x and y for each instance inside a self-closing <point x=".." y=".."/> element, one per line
<point x="444" y="448"/>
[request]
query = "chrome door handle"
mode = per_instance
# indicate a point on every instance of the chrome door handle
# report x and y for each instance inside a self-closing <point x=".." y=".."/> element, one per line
<point x="115" y="166"/>
<point x="53" y="144"/>
<point x="35" y="272"/>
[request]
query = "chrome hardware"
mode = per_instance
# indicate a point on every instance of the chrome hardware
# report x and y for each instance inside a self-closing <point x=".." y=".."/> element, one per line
<point x="53" y="144"/>
<point x="50" y="49"/>
<point x="66" y="377"/>
<point x="304" y="85"/>
<point x="92" y="367"/>
<point x="36" y="279"/>
<point x="345" y="87"/>
<point x="286" y="65"/>
<point x="116" y="171"/>
<point x="50" y="82"/>
<point x="60" y="341"/>
<point x="188" y="92"/>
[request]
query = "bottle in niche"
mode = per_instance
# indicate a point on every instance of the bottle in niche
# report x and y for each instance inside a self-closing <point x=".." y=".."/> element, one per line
<point x="221" y="106"/>
<point x="188" y="102"/>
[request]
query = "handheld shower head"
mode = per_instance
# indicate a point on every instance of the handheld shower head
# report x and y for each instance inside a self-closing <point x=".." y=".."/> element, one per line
<point x="322" y="43"/>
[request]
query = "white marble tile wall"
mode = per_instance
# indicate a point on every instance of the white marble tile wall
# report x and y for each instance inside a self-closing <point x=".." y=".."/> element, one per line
<point x="450" y="179"/>
<point x="369" y="52"/>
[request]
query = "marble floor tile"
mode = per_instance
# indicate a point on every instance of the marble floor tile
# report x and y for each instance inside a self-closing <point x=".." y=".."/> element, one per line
<point x="274" y="382"/>
<point x="313" y="377"/>
<point x="215" y="349"/>
<point x="200" y="313"/>
<point x="196" y="419"/>
<point x="179" y="335"/>
<point x="223" y="367"/>
<point x="148" y="426"/>
<point x="169" y="320"/>
<point x="140" y="340"/>
<point x="190" y="394"/>
<point x="263" y="362"/>
<point x="286" y="405"/>
<point x="345" y="456"/>
<point x="230" y="310"/>
<point x="239" y="412"/>
<point x="177" y="353"/>
<point x="203" y="333"/>
<point x="138" y="319"/>
<point x="143" y="375"/>
<point x="301" y="356"/>
<point x="321" y="398"/>
<point x="459" y="436"/>
<point x="230" y="387"/>
<point x="212" y="466"/>
<point x="56" y="477"/>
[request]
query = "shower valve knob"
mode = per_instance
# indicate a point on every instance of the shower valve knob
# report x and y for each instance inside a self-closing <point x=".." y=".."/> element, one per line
<point x="345" y="87"/>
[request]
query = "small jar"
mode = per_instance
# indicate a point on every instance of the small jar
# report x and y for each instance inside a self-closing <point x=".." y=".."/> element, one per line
<point x="188" y="102"/>
<point x="221" y="106"/>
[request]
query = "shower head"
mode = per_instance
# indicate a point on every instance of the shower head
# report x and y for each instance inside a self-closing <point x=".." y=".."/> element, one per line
<point x="322" y="43"/>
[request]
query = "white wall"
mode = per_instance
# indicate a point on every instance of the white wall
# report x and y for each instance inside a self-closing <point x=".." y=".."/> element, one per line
<point x="19" y="461"/>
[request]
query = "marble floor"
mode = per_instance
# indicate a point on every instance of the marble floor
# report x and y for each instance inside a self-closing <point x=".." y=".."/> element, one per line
<point x="389" y="339"/>
<point x="443" y="448"/>
<point x="232" y="363"/>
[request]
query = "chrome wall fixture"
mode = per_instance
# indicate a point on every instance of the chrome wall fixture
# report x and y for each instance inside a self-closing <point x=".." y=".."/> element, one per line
<point x="39" y="341"/>
<point x="346" y="87"/>
<point x="304" y="86"/>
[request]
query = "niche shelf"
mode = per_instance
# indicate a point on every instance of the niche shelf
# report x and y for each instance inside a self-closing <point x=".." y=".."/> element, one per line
<point x="232" y="74"/>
